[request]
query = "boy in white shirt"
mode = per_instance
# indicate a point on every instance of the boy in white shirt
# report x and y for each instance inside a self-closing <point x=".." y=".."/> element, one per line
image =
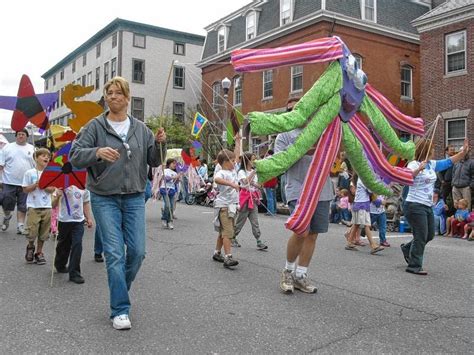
<point x="226" y="207"/>
<point x="38" y="203"/>
<point x="74" y="210"/>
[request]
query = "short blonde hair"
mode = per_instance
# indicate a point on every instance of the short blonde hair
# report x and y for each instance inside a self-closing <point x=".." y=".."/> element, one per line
<point x="41" y="151"/>
<point x="463" y="202"/>
<point x="120" y="82"/>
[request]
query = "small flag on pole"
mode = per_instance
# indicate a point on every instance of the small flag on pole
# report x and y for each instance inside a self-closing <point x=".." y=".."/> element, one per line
<point x="233" y="125"/>
<point x="198" y="124"/>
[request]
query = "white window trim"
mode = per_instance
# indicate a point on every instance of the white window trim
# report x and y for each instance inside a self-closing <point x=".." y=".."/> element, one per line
<point x="223" y="27"/>
<point x="291" y="12"/>
<point x="235" y="91"/>
<point x="263" y="85"/>
<point x="446" y="53"/>
<point x="446" y="128"/>
<point x="291" y="78"/>
<point x="411" y="82"/>
<point x="362" y="4"/>
<point x="216" y="95"/>
<point x="254" y="14"/>
<point x="358" y="56"/>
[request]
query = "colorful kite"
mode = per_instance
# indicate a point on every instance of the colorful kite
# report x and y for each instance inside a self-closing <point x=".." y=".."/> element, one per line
<point x="28" y="106"/>
<point x="198" y="124"/>
<point x="340" y="107"/>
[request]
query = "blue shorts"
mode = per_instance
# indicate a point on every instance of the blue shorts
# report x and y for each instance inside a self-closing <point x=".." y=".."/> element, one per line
<point x="320" y="220"/>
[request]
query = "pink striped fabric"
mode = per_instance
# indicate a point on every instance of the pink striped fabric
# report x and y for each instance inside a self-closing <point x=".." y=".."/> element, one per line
<point x="320" y="50"/>
<point x="323" y="158"/>
<point x="380" y="164"/>
<point x="396" y="118"/>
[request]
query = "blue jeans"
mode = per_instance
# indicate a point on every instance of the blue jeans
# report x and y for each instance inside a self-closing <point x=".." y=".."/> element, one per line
<point x="381" y="220"/>
<point x="148" y="192"/>
<point x="271" y="203"/>
<point x="345" y="214"/>
<point x="168" y="204"/>
<point x="124" y="219"/>
<point x="98" y="247"/>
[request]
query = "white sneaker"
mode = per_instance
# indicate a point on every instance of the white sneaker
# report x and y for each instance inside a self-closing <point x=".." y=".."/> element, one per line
<point x="170" y="225"/>
<point x="20" y="229"/>
<point x="121" y="322"/>
<point x="164" y="223"/>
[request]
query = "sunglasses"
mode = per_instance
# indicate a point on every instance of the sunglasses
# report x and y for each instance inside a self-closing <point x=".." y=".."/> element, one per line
<point x="129" y="152"/>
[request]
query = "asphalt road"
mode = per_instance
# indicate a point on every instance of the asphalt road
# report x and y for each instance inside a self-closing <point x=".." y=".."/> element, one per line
<point x="183" y="302"/>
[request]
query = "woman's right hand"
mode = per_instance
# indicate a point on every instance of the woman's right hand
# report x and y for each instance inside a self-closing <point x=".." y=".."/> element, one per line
<point x="108" y="154"/>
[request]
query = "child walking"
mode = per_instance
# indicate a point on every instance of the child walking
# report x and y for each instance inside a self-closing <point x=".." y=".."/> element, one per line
<point x="379" y="217"/>
<point x="249" y="198"/>
<point x="225" y="207"/>
<point x="361" y="218"/>
<point x="74" y="210"/>
<point x="168" y="191"/>
<point x="38" y="203"/>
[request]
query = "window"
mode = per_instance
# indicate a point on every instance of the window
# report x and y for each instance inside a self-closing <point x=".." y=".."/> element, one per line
<point x="256" y="146"/>
<point x="113" y="68"/>
<point x="139" y="40"/>
<point x="358" y="59"/>
<point x="97" y="51"/>
<point x="216" y="95"/>
<point x="179" y="48"/>
<point x="456" y="132"/>
<point x="84" y="59"/>
<point x="267" y="84"/>
<point x="138" y="108"/>
<point x="61" y="97"/>
<point x="178" y="77"/>
<point x="251" y="25"/>
<point x="455" y="52"/>
<point x="114" y="40"/>
<point x="406" y="82"/>
<point x="237" y="91"/>
<point x="285" y="11"/>
<point x="97" y="78"/>
<point x="221" y="40"/>
<point x="369" y="10"/>
<point x="46" y="84"/>
<point x="138" y="71"/>
<point x="178" y="111"/>
<point x="89" y="78"/>
<point x="297" y="78"/>
<point x="54" y="79"/>
<point x="106" y="72"/>
<point x="83" y="80"/>
<point x="74" y="66"/>
<point x="61" y="75"/>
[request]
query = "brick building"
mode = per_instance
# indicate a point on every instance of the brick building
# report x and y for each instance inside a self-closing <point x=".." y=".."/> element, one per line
<point x="378" y="32"/>
<point x="447" y="71"/>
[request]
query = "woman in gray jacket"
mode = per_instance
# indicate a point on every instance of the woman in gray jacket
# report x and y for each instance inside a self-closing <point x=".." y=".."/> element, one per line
<point x="116" y="148"/>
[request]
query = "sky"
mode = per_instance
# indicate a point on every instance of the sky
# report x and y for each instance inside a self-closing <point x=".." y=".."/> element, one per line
<point x="35" y="35"/>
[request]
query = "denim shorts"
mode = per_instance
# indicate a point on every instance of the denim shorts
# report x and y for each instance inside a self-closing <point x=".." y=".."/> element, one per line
<point x="320" y="220"/>
<point x="13" y="195"/>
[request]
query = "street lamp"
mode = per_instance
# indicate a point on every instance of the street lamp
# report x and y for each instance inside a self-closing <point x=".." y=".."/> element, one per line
<point x="226" y="83"/>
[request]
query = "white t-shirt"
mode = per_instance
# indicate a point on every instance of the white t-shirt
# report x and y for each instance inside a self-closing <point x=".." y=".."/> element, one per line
<point x="362" y="194"/>
<point x="227" y="195"/>
<point x="168" y="181"/>
<point x="16" y="160"/>
<point x="242" y="175"/>
<point x="121" y="128"/>
<point x="423" y="185"/>
<point x="38" y="198"/>
<point x="76" y="199"/>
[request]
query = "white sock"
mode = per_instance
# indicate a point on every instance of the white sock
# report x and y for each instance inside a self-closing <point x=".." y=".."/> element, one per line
<point x="20" y="225"/>
<point x="217" y="251"/>
<point x="301" y="271"/>
<point x="228" y="256"/>
<point x="290" y="266"/>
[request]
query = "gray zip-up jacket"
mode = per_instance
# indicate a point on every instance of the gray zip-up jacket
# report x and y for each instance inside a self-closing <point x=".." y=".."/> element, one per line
<point x="128" y="174"/>
<point x="463" y="174"/>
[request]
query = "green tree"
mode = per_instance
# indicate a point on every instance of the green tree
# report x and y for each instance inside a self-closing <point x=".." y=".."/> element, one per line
<point x="178" y="133"/>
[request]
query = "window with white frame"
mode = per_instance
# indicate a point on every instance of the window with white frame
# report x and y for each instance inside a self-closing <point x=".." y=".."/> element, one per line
<point x="89" y="78"/>
<point x="97" y="51"/>
<point x="139" y="40"/>
<point x="268" y="84"/>
<point x="114" y="40"/>
<point x="83" y="80"/>
<point x="113" y="68"/>
<point x="138" y="108"/>
<point x="455" y="52"/>
<point x="61" y="74"/>
<point x="97" y="78"/>
<point x="46" y="84"/>
<point x="286" y="9"/>
<point x="358" y="59"/>
<point x="138" y="66"/>
<point x="369" y="10"/>
<point x="406" y="81"/>
<point x="74" y="66"/>
<point x="178" y="77"/>
<point x="251" y="25"/>
<point x="54" y="79"/>
<point x="297" y="78"/>
<point x="256" y="145"/>
<point x="455" y="132"/>
<point x="221" y="39"/>
<point x="178" y="111"/>
<point x="106" y="72"/>
<point x="216" y="95"/>
<point x="179" y="48"/>
<point x="237" y="91"/>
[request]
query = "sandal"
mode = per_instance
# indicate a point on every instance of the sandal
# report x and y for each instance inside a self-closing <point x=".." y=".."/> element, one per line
<point x="376" y="250"/>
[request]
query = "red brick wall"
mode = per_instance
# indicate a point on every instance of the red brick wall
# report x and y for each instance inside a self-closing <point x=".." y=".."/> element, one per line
<point x="382" y="58"/>
<point x="439" y="92"/>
